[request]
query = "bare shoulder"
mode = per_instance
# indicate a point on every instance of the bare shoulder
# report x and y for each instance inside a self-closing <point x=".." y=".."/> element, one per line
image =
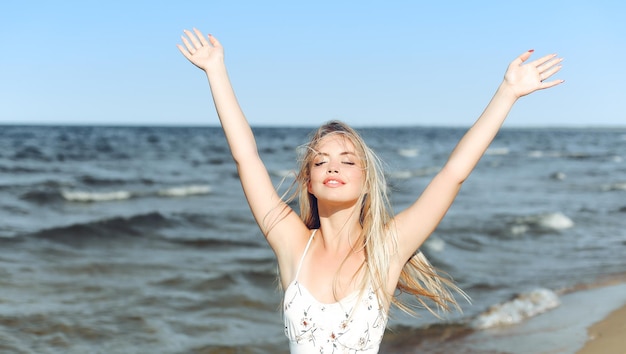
<point x="288" y="244"/>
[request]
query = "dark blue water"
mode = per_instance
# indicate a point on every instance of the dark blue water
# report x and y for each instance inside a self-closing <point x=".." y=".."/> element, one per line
<point x="139" y="240"/>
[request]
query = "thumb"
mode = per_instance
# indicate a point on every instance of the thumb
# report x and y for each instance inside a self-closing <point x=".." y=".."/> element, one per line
<point x="524" y="56"/>
<point x="214" y="41"/>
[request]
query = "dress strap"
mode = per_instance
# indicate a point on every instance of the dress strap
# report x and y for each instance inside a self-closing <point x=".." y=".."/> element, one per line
<point x="306" y="249"/>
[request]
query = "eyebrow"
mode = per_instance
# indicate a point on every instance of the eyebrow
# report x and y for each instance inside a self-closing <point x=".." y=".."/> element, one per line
<point x="341" y="154"/>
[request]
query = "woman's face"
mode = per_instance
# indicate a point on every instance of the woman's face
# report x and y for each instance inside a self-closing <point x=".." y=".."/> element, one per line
<point x="337" y="173"/>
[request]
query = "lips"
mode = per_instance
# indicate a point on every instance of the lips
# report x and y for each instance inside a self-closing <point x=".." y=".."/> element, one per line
<point x="333" y="182"/>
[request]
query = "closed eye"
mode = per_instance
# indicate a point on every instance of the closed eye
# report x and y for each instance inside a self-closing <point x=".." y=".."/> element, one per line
<point x="319" y="163"/>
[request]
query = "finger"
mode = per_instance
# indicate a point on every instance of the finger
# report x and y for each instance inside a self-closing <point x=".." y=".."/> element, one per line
<point x="214" y="41"/>
<point x="185" y="52"/>
<point x="524" y="56"/>
<point x="520" y="60"/>
<point x="193" y="39"/>
<point x="543" y="60"/>
<point x="188" y="45"/>
<point x="549" y="64"/>
<point x="548" y="84"/>
<point x="550" y="71"/>
<point x="201" y="37"/>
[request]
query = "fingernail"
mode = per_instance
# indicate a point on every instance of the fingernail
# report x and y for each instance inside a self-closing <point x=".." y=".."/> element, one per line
<point x="531" y="50"/>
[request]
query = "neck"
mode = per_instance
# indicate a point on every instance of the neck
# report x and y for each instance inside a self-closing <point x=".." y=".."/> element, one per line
<point x="340" y="229"/>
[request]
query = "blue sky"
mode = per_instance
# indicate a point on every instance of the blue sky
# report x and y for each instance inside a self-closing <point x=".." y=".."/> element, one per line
<point x="302" y="63"/>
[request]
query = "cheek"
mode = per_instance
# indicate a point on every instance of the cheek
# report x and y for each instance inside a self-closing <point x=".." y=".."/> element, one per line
<point x="361" y="178"/>
<point x="313" y="176"/>
<point x="357" y="175"/>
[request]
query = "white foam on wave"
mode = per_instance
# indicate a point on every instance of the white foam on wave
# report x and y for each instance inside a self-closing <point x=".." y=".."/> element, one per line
<point x="91" y="197"/>
<point x="555" y="221"/>
<point x="519" y="229"/>
<point x="420" y="172"/>
<point x="8" y="235"/>
<point x="518" y="309"/>
<point x="435" y="244"/>
<point x="426" y="171"/>
<point x="540" y="153"/>
<point x="83" y="196"/>
<point x="184" y="191"/>
<point x="618" y="186"/>
<point x="284" y="173"/>
<point x="408" y="152"/>
<point x="400" y="174"/>
<point x="497" y="151"/>
<point x="547" y="221"/>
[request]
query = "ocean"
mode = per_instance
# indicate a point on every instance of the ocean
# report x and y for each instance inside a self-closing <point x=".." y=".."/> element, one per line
<point x="139" y="239"/>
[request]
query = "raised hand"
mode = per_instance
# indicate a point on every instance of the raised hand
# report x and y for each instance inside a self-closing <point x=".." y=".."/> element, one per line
<point x="524" y="78"/>
<point x="201" y="52"/>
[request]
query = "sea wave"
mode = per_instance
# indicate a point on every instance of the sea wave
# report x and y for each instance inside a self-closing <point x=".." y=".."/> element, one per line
<point x="284" y="173"/>
<point x="107" y="229"/>
<point x="420" y="172"/>
<point x="498" y="151"/>
<point x="41" y="196"/>
<point x="435" y="244"/>
<point x="518" y="309"/>
<point x="212" y="243"/>
<point x="545" y="222"/>
<point x="171" y="192"/>
<point x="558" y="176"/>
<point x="617" y="186"/>
<point x="408" y="152"/>
<point x="184" y="191"/>
<point x="101" y="181"/>
<point x="30" y="152"/>
<point x="400" y="174"/>
<point x="566" y="155"/>
<point x="83" y="196"/>
<point x="213" y="282"/>
<point x="153" y="225"/>
<point x="20" y="169"/>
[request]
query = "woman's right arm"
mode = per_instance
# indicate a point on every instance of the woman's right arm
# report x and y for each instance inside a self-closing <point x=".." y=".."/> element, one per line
<point x="275" y="218"/>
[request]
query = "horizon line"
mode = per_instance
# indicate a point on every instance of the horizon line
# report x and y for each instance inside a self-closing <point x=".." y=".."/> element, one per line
<point x="276" y="125"/>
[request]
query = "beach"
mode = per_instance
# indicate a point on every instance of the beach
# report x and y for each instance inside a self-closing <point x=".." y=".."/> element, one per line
<point x="608" y="335"/>
<point x="575" y="324"/>
<point x="590" y="320"/>
<point x="139" y="240"/>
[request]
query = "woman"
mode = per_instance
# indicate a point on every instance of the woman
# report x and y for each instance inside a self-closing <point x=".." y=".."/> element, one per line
<point x="343" y="257"/>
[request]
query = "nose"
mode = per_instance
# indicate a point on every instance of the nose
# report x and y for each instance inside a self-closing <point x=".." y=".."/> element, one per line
<point x="332" y="168"/>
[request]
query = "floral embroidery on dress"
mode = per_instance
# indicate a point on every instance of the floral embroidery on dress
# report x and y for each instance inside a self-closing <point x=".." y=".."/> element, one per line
<point x="352" y="325"/>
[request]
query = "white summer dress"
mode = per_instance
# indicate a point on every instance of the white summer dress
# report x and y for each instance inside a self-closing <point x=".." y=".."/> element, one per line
<point x="355" y="324"/>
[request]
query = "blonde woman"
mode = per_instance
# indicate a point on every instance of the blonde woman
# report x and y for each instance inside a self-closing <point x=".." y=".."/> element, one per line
<point x="342" y="258"/>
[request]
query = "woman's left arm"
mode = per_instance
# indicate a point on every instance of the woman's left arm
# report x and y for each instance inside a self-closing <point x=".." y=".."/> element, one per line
<point x="417" y="222"/>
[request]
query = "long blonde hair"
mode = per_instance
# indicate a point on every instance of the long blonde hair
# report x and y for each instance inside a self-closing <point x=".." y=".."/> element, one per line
<point x="418" y="277"/>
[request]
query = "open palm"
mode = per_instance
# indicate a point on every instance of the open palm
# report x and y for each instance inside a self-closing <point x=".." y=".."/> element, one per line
<point x="526" y="78"/>
<point x="201" y="52"/>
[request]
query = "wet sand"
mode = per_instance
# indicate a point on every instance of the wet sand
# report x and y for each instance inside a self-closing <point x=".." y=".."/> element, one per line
<point x="607" y="336"/>
<point x="562" y="330"/>
<point x="590" y="319"/>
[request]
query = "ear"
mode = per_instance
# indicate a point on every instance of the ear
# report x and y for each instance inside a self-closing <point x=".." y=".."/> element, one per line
<point x="308" y="187"/>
